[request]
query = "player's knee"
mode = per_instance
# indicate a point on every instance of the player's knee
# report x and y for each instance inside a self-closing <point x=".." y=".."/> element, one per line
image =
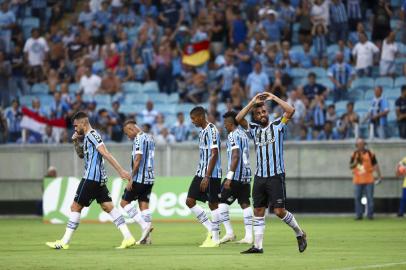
<point x="75" y="207"/>
<point x="190" y="202"/>
<point x="244" y="205"/>
<point x="213" y="206"/>
<point x="259" y="212"/>
<point x="280" y="212"/>
<point x="107" y="207"/>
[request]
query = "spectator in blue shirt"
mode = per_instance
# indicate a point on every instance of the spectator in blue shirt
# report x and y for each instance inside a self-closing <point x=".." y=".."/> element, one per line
<point x="148" y="9"/>
<point x="338" y="21"/>
<point x="244" y="61"/>
<point x="7" y="22"/>
<point x="180" y="130"/>
<point x="320" y="44"/>
<point x="58" y="108"/>
<point x="341" y="74"/>
<point x="228" y="73"/>
<point x="13" y="116"/>
<point x="257" y="81"/>
<point x="378" y="114"/>
<point x="127" y="17"/>
<point x="238" y="30"/>
<point x="306" y="58"/>
<point x="86" y="16"/>
<point x="272" y="27"/>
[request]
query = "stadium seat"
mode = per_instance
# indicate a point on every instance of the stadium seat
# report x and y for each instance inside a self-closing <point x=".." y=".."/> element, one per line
<point x="185" y="108"/>
<point x="395" y="3"/>
<point x="320" y="72"/>
<point x="150" y="87"/>
<point x="355" y="94"/>
<point x="170" y="119"/>
<point x="364" y="83"/>
<point x="402" y="48"/>
<point x="135" y="99"/>
<point x="363" y="105"/>
<point x="165" y="108"/>
<point x="98" y="67"/>
<point x="158" y="98"/>
<point x="400" y="60"/>
<point x="384" y="82"/>
<point x="298" y="72"/>
<point x="369" y="94"/>
<point x="45" y="99"/>
<point x="297" y="49"/>
<point x="326" y="82"/>
<point x="391" y="93"/>
<point x="128" y="109"/>
<point x="394" y="23"/>
<point x="102" y="99"/>
<point x="173" y="98"/>
<point x="341" y="105"/>
<point x="26" y="100"/>
<point x="332" y="49"/>
<point x="131" y="87"/>
<point x="399" y="82"/>
<point x="28" y="24"/>
<point x="73" y="88"/>
<point x="40" y="88"/>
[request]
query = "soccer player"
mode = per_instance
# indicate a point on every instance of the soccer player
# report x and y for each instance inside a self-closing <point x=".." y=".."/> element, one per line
<point x="206" y="185"/>
<point x="237" y="184"/>
<point x="142" y="178"/>
<point x="269" y="181"/>
<point x="93" y="184"/>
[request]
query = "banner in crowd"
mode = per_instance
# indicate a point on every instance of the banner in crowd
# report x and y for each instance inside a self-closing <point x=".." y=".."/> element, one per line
<point x="35" y="122"/>
<point x="167" y="200"/>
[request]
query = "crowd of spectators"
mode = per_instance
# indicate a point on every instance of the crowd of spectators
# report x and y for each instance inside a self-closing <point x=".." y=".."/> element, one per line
<point x="255" y="45"/>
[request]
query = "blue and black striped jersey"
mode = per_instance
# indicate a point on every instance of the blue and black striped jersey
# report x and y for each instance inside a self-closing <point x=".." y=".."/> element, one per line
<point x="238" y="139"/>
<point x="209" y="138"/>
<point x="269" y="147"/>
<point x="94" y="163"/>
<point x="144" y="145"/>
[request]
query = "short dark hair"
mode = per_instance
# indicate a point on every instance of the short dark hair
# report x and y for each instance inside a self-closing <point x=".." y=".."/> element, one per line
<point x="403" y="87"/>
<point x="311" y="74"/>
<point x="129" y="122"/>
<point x="232" y="115"/>
<point x="79" y="115"/>
<point x="199" y="110"/>
<point x="179" y="114"/>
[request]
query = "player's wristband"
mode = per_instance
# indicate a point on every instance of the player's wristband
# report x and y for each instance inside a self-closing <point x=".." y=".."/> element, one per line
<point x="230" y="175"/>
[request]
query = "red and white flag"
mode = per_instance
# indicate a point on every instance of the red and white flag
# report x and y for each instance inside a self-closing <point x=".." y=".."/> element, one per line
<point x="33" y="121"/>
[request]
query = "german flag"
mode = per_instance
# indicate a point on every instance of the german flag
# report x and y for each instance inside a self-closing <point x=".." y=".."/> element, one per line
<point x="196" y="54"/>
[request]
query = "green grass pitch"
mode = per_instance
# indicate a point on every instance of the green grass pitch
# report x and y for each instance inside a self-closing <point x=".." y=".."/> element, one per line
<point x="334" y="243"/>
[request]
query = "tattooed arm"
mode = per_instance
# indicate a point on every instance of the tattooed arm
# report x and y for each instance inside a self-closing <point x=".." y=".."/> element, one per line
<point x="78" y="145"/>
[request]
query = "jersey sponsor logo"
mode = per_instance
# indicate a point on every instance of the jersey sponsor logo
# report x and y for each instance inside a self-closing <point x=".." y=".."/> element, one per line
<point x="214" y="134"/>
<point x="96" y="136"/>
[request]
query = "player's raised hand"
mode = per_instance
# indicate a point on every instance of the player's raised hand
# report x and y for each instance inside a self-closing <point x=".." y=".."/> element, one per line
<point x="204" y="184"/>
<point x="76" y="137"/>
<point x="267" y="96"/>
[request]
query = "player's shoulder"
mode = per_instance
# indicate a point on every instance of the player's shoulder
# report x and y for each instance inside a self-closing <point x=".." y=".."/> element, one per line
<point x="94" y="136"/>
<point x="212" y="128"/>
<point x="277" y="121"/>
